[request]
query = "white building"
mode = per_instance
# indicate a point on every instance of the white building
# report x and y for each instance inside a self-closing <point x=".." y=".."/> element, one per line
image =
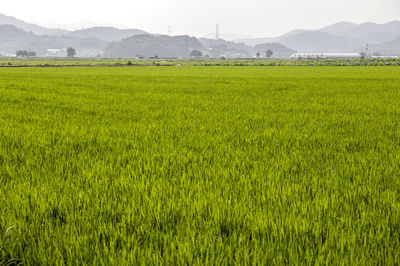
<point x="316" y="56"/>
<point x="385" y="57"/>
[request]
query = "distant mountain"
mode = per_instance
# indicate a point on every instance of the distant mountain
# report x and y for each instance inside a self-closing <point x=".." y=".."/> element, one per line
<point x="28" y="27"/>
<point x="108" y="34"/>
<point x="217" y="48"/>
<point x="79" y="25"/>
<point x="16" y="35"/>
<point x="365" y="33"/>
<point x="279" y="50"/>
<point x="13" y="39"/>
<point x="255" y="41"/>
<point x="316" y="41"/>
<point x="375" y="38"/>
<point x="378" y="36"/>
<point x="395" y="41"/>
<point x="153" y="45"/>
<point x="388" y="48"/>
<point x="339" y="28"/>
<point x="228" y="36"/>
<point x="338" y="37"/>
<point x="369" y="28"/>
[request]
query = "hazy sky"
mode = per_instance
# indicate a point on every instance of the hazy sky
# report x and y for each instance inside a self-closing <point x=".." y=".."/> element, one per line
<point x="250" y="17"/>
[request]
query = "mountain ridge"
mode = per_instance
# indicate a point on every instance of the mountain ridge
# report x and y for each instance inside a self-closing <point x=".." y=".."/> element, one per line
<point x="100" y="32"/>
<point x="13" y="39"/>
<point x="338" y="37"/>
<point x="108" y="34"/>
<point x="29" y="27"/>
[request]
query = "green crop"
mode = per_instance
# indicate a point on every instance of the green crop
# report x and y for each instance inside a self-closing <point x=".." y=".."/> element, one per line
<point x="200" y="165"/>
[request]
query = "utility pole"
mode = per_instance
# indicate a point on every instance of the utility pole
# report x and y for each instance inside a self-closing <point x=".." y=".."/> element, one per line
<point x="169" y="30"/>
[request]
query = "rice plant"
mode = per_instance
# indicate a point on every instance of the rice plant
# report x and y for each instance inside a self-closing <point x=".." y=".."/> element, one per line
<point x="200" y="165"/>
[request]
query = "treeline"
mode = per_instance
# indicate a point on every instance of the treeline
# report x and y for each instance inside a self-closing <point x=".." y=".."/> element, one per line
<point x="24" y="53"/>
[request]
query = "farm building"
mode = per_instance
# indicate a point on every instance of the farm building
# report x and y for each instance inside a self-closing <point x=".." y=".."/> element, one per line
<point x="314" y="56"/>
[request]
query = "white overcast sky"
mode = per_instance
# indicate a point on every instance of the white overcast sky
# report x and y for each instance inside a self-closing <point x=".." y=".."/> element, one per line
<point x="257" y="18"/>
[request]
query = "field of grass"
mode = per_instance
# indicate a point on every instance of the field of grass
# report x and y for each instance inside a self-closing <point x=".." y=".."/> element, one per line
<point x="200" y="165"/>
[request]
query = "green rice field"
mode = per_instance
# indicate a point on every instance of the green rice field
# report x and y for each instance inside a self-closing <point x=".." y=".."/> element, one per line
<point x="191" y="165"/>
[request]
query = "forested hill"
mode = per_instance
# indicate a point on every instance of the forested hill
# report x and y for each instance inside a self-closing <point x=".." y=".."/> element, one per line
<point x="153" y="45"/>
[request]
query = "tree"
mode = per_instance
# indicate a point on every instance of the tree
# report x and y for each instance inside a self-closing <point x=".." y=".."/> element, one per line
<point x="196" y="53"/>
<point x="21" y="53"/>
<point x="31" y="54"/>
<point x="258" y="54"/>
<point x="269" y="53"/>
<point x="71" y="52"/>
<point x="363" y="54"/>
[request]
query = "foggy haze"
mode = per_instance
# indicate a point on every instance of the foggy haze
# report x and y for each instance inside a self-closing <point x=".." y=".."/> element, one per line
<point x="257" y="18"/>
